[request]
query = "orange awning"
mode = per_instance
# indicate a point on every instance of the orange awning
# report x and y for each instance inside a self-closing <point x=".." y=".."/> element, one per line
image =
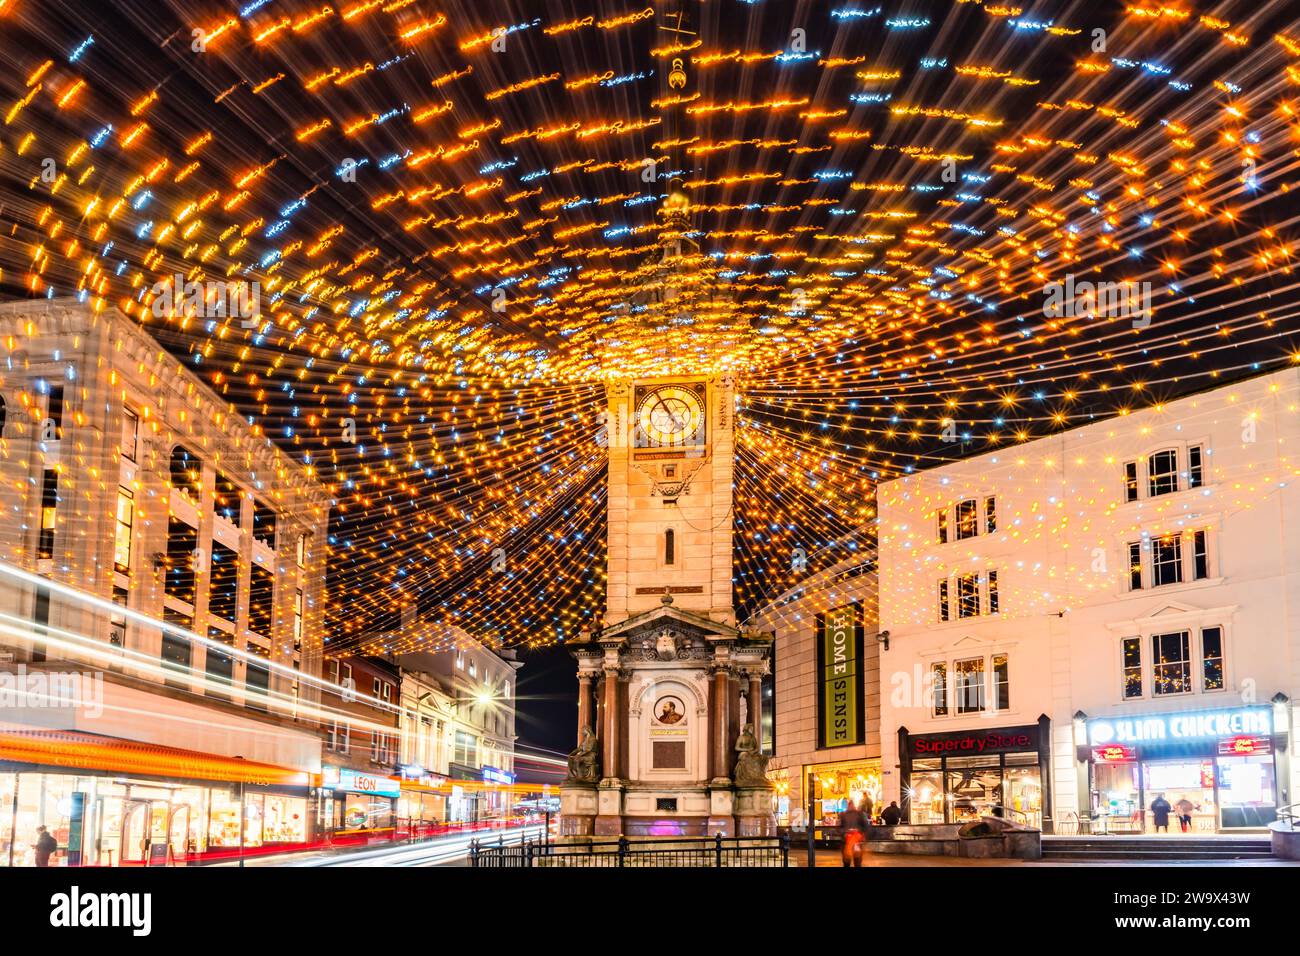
<point x="80" y="751"/>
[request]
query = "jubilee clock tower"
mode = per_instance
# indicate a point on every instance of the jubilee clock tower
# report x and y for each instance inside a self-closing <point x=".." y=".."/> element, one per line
<point x="669" y="688"/>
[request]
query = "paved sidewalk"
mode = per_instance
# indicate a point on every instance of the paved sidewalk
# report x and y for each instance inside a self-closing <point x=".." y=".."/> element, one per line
<point x="830" y="859"/>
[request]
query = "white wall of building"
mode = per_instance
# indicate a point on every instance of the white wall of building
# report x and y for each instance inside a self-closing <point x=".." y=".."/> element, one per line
<point x="1060" y="549"/>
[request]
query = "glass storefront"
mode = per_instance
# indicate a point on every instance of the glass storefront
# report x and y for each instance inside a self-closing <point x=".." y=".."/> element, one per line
<point x="962" y="789"/>
<point x="359" y="805"/>
<point x="961" y="776"/>
<point x="422" y="807"/>
<point x="832" y="786"/>
<point x="1215" y="769"/>
<point x="1207" y="794"/>
<point x="121" y="821"/>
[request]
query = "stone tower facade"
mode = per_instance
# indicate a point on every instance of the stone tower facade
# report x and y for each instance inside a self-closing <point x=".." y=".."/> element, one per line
<point x="669" y="685"/>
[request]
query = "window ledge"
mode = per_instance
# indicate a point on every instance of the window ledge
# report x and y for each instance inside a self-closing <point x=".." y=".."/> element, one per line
<point x="1158" y="590"/>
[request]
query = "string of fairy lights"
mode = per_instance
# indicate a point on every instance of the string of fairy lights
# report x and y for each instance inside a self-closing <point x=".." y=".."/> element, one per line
<point x="452" y="212"/>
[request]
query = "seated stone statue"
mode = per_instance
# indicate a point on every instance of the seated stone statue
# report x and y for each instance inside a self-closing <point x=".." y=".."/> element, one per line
<point x="751" y="765"/>
<point x="583" y="761"/>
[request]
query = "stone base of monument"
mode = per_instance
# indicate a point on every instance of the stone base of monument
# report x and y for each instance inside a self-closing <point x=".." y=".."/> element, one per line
<point x="578" y="809"/>
<point x="721" y="812"/>
<point x="609" y="809"/>
<point x="753" y="811"/>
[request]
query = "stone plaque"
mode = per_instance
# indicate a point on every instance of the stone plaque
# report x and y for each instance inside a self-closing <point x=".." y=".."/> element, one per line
<point x="668" y="754"/>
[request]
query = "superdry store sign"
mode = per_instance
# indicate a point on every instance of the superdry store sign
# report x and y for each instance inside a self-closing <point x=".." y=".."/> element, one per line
<point x="972" y="743"/>
<point x="839" y="664"/>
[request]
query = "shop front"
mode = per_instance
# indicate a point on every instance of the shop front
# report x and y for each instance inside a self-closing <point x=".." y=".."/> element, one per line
<point x="422" y="806"/>
<point x="830" y="788"/>
<point x="359" y="807"/>
<point x="960" y="776"/>
<point x="1217" y="770"/>
<point x="498" y="793"/>
<point x="465" y="803"/>
<point x="131" y="804"/>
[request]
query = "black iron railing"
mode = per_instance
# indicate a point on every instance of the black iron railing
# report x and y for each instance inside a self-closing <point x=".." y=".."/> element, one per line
<point x="716" y="851"/>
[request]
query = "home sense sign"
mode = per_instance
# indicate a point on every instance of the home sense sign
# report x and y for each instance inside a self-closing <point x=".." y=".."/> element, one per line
<point x="839" y="661"/>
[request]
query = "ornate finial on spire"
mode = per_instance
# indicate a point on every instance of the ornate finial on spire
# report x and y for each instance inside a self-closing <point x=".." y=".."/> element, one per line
<point x="676" y="209"/>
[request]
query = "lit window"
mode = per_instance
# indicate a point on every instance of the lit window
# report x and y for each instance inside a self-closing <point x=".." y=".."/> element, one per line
<point x="1001" y="682"/>
<point x="1131" y="650"/>
<point x="993" y="592"/>
<point x="967" y="519"/>
<point x="942" y="517"/>
<point x="49" y="511"/>
<point x="1135" y="566"/>
<point x="990" y="514"/>
<point x="1162" y="473"/>
<point x="261" y="600"/>
<point x="130" y="433"/>
<point x="945" y="613"/>
<point x="1173" y="664"/>
<point x="939" y="688"/>
<point x="122" y="535"/>
<point x="968" y="595"/>
<point x="1167" y="560"/>
<point x="184" y="472"/>
<point x="1195" y="467"/>
<point x="1200" y="556"/>
<point x="1130" y="481"/>
<point x="297" y="620"/>
<point x="1212" y="658"/>
<point x="970" y="685"/>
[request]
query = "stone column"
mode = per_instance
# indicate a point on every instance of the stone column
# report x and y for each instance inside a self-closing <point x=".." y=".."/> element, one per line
<point x="584" y="704"/>
<point x="579" y="804"/>
<point x="721" y="725"/>
<point x="754" y="715"/>
<point x="609" y="732"/>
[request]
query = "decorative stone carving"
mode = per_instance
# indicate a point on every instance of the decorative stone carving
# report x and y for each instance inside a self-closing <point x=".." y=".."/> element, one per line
<point x="751" y="765"/>
<point x="584" y="760"/>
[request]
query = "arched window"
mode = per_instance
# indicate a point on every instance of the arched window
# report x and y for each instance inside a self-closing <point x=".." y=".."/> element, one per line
<point x="670" y="547"/>
<point x="185" y="472"/>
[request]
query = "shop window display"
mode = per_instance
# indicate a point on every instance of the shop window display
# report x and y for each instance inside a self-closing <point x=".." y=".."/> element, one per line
<point x="363" y="812"/>
<point x="832" y="788"/>
<point x="964" y="789"/>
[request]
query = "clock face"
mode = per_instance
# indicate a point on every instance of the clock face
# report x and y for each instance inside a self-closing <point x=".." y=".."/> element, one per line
<point x="671" y="415"/>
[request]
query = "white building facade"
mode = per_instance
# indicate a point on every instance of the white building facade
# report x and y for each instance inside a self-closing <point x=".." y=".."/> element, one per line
<point x="1083" y="623"/>
<point x="132" y="494"/>
<point x="458" y="726"/>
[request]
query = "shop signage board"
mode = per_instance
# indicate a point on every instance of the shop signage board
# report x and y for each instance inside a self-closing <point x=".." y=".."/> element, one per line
<point x="493" y="775"/>
<point x="354" y="781"/>
<point x="1195" y="727"/>
<point x="972" y="743"/>
<point x="1245" y="746"/>
<point x="839" y="665"/>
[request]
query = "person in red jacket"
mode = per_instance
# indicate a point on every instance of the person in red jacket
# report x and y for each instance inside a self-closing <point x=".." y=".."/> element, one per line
<point x="853" y="830"/>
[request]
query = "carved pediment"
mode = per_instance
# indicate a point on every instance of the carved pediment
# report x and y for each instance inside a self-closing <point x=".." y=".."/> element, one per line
<point x="666" y="644"/>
